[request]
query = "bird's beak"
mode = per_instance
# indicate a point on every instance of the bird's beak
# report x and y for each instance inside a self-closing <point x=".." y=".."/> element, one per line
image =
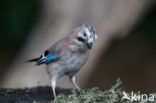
<point x="90" y="43"/>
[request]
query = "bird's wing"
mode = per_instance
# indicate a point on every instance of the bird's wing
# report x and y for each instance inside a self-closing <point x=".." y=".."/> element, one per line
<point x="50" y="55"/>
<point x="58" y="46"/>
<point x="45" y="58"/>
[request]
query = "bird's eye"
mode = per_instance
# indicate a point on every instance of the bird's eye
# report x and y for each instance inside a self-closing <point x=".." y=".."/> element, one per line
<point x="84" y="34"/>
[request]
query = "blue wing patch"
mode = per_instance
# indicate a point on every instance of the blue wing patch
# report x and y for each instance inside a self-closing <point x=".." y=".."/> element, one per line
<point x="45" y="58"/>
<point x="48" y="58"/>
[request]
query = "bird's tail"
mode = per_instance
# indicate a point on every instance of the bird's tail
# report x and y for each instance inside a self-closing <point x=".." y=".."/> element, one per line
<point x="33" y="60"/>
<point x="38" y="60"/>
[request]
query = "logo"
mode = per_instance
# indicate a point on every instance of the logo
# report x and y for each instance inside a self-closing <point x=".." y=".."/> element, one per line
<point x="137" y="97"/>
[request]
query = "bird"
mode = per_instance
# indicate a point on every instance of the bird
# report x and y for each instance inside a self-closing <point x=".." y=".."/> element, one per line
<point x="68" y="55"/>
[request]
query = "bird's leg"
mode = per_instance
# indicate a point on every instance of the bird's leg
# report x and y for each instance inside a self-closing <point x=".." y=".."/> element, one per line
<point x="73" y="80"/>
<point x="53" y="85"/>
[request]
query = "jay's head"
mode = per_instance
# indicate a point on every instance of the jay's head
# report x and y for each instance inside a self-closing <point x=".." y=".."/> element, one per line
<point x="84" y="36"/>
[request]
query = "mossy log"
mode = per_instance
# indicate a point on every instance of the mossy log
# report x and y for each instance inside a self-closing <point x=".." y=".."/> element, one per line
<point x="45" y="95"/>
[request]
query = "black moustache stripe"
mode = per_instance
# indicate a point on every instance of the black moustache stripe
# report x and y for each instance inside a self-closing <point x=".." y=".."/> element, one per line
<point x="81" y="39"/>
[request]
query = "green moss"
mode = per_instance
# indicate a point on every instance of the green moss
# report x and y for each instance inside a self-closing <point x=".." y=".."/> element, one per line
<point x="95" y="95"/>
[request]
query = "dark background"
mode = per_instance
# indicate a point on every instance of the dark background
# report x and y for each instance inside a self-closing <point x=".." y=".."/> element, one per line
<point x="131" y="57"/>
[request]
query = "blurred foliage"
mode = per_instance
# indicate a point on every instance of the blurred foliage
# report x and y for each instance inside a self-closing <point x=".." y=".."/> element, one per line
<point x="17" y="19"/>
